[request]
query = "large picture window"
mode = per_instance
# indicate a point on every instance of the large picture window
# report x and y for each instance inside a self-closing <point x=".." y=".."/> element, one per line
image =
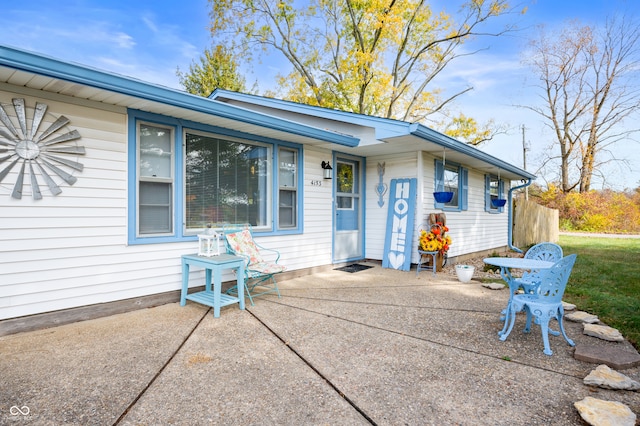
<point x="185" y="176"/>
<point x="226" y="181"/>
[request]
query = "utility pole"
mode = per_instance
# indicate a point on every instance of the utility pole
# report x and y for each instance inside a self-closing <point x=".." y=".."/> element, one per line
<point x="524" y="161"/>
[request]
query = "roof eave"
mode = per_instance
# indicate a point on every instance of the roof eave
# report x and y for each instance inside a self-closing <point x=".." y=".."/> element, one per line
<point x="50" y="67"/>
<point x="445" y="141"/>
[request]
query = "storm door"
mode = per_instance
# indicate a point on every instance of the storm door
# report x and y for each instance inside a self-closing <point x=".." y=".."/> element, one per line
<point x="348" y="236"/>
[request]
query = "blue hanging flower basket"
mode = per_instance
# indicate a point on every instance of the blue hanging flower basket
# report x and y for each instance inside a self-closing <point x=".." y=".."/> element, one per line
<point x="498" y="202"/>
<point x="443" y="197"/>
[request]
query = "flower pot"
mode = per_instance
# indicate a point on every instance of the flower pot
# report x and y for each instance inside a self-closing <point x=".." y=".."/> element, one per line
<point x="443" y="197"/>
<point x="465" y="272"/>
<point x="498" y="202"/>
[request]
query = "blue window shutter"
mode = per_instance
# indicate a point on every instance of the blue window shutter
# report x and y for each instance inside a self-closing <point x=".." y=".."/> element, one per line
<point x="500" y="194"/>
<point x="439" y="181"/>
<point x="487" y="193"/>
<point x="464" y="203"/>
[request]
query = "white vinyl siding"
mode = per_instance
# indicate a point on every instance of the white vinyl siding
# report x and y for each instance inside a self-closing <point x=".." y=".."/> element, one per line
<point x="75" y="249"/>
<point x="71" y="250"/>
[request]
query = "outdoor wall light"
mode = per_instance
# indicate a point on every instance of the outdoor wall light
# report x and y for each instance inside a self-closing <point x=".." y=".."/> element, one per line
<point x="327" y="170"/>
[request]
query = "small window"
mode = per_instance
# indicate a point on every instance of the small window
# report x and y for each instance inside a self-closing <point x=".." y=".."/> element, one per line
<point x="452" y="178"/>
<point x="155" y="180"/>
<point x="288" y="188"/>
<point x="452" y="184"/>
<point x="345" y="185"/>
<point x="494" y="191"/>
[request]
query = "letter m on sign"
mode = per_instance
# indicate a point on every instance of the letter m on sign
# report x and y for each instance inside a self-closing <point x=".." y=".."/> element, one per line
<point x="398" y="242"/>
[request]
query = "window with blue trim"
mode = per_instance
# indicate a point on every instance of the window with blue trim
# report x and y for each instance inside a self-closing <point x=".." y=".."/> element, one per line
<point x="226" y="181"/>
<point x="288" y="188"/>
<point x="493" y="192"/>
<point x="155" y="179"/>
<point x="189" y="175"/>
<point x="451" y="177"/>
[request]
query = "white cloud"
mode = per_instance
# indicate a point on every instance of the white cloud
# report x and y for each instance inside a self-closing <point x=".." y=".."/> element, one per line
<point x="124" y="41"/>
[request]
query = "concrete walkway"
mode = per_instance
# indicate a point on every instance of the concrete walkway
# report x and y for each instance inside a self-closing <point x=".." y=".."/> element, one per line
<point x="374" y="347"/>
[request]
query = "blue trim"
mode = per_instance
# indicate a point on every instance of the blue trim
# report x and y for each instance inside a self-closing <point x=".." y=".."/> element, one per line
<point x="47" y="66"/>
<point x="132" y="173"/>
<point x="333" y="208"/>
<point x="463" y="186"/>
<point x="488" y="207"/>
<point x="398" y="241"/>
<point x="464" y="189"/>
<point x="299" y="228"/>
<point x="136" y="116"/>
<point x="438" y="181"/>
<point x="487" y="193"/>
<point x="447" y="142"/>
<point x="384" y="127"/>
<point x="363" y="201"/>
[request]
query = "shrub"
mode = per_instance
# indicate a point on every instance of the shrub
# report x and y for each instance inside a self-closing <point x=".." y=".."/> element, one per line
<point x="594" y="211"/>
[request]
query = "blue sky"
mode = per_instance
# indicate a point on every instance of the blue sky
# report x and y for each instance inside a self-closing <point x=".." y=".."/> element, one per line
<point x="149" y="40"/>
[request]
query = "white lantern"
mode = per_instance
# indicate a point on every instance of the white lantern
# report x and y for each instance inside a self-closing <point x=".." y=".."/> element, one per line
<point x="209" y="245"/>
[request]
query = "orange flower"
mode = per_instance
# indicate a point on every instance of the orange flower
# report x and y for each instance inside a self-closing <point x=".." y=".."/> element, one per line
<point x="435" y="239"/>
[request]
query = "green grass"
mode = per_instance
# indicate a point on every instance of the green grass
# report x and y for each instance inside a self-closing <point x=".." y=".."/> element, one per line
<point x="605" y="281"/>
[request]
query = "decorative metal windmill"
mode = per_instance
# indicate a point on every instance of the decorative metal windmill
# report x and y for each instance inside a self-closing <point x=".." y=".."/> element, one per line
<point x="38" y="153"/>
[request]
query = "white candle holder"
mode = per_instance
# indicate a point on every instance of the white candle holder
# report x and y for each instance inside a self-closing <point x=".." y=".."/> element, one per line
<point x="209" y="244"/>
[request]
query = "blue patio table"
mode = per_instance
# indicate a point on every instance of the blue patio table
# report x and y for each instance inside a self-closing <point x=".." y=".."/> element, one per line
<point x="215" y="265"/>
<point x="506" y="264"/>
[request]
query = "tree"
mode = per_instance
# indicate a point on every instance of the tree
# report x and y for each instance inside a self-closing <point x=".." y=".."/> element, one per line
<point x="467" y="129"/>
<point x="371" y="57"/>
<point x="217" y="69"/>
<point x="588" y="83"/>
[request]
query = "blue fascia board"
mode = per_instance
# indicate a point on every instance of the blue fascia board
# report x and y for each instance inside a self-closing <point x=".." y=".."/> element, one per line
<point x="385" y="127"/>
<point x="445" y="141"/>
<point x="47" y="66"/>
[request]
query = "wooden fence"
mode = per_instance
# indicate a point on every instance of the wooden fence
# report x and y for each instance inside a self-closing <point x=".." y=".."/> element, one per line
<point x="533" y="223"/>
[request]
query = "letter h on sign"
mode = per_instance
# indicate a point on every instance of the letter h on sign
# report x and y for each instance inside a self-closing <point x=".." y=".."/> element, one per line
<point x="399" y="233"/>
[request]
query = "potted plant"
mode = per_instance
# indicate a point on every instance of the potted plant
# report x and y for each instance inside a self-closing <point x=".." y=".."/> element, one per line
<point x="465" y="272"/>
<point x="435" y="240"/>
<point x="443" y="196"/>
<point x="498" y="202"/>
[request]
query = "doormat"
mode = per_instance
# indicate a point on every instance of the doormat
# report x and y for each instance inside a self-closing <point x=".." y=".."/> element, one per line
<point x="354" y="267"/>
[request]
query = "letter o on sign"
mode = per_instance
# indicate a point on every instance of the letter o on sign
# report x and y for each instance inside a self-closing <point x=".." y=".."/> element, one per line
<point x="401" y="206"/>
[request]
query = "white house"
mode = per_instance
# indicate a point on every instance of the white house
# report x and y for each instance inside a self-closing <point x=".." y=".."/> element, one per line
<point x="105" y="181"/>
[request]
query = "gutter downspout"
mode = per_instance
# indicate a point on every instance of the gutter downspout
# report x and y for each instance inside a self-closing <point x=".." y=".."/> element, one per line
<point x="510" y="199"/>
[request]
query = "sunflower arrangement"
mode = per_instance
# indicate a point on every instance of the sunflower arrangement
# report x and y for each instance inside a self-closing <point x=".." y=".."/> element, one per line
<point x="436" y="239"/>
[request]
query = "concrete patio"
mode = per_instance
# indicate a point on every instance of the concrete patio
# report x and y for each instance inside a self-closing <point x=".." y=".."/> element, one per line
<point x="374" y="347"/>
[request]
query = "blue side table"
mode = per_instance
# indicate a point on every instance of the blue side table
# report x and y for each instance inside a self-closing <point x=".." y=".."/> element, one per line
<point x="215" y="264"/>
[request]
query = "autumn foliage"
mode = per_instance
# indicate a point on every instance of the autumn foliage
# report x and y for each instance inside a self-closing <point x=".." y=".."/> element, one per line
<point x="605" y="211"/>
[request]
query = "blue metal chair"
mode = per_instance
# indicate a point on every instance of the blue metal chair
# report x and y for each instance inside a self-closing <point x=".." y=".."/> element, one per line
<point x="544" y="251"/>
<point x="259" y="273"/>
<point x="546" y="301"/>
